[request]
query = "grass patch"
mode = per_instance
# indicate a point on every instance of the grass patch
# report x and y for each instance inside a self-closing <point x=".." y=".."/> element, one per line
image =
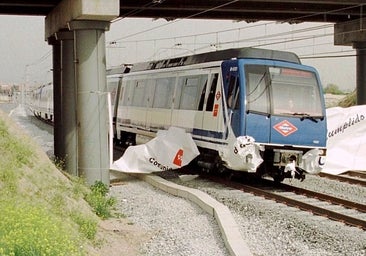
<point x="30" y="230"/>
<point x="42" y="211"/>
<point x="13" y="155"/>
<point x="87" y="226"/>
<point x="13" y="152"/>
<point x="98" y="199"/>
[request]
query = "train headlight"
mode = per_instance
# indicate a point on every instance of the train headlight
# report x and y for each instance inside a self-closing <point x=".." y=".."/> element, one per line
<point x="322" y="152"/>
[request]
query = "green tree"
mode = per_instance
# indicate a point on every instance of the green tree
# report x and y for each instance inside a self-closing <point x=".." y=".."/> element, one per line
<point x="333" y="89"/>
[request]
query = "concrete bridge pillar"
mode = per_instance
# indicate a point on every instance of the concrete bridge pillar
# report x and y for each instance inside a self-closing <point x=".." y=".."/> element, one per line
<point x="91" y="107"/>
<point x="81" y="130"/>
<point x="353" y="33"/>
<point x="66" y="97"/>
<point x="361" y="72"/>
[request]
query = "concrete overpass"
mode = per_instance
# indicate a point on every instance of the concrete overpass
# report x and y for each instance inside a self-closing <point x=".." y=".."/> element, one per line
<point x="76" y="28"/>
<point x="333" y="11"/>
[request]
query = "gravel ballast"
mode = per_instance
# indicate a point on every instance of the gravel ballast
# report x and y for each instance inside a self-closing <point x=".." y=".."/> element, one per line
<point x="178" y="227"/>
<point x="275" y="229"/>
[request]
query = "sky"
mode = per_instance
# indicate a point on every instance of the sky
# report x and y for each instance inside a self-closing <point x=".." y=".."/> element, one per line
<point x="26" y="57"/>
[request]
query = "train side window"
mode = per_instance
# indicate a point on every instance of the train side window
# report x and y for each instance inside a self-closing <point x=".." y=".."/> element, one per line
<point x="192" y="85"/>
<point x="138" y="94"/>
<point x="164" y="90"/>
<point x="202" y="98"/>
<point x="257" y="88"/>
<point x="149" y="92"/>
<point x="112" y="85"/>
<point x="178" y="93"/>
<point x="211" y="95"/>
<point x="126" y="96"/>
<point x="233" y="92"/>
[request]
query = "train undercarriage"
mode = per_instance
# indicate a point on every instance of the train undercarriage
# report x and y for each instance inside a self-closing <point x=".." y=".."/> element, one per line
<point x="278" y="163"/>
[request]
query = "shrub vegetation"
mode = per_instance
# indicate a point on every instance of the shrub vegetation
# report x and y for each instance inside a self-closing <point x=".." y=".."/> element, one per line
<point x="349" y="100"/>
<point x="98" y="199"/>
<point x="333" y="89"/>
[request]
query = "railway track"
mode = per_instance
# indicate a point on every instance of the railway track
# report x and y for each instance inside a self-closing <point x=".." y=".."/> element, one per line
<point x="334" y="208"/>
<point x="360" y="174"/>
<point x="351" y="177"/>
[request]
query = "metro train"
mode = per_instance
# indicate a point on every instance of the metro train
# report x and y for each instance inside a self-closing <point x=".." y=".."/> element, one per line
<point x="265" y="94"/>
<point x="40" y="102"/>
<point x="267" y="97"/>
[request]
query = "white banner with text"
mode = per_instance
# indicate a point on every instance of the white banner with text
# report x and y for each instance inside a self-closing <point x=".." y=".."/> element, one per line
<point x="346" y="144"/>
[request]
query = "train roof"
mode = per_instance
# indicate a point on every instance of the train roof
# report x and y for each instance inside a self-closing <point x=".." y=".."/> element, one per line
<point x="237" y="53"/>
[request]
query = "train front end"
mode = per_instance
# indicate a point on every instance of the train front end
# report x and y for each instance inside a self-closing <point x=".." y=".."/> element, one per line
<point x="282" y="108"/>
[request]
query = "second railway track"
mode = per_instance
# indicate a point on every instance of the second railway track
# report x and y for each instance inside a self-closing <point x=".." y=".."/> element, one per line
<point x="351" y="177"/>
<point x="331" y="207"/>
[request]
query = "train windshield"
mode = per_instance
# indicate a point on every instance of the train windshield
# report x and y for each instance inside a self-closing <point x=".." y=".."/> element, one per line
<point x="282" y="91"/>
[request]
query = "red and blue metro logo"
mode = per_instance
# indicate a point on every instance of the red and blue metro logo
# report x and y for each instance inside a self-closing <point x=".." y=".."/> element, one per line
<point x="285" y="128"/>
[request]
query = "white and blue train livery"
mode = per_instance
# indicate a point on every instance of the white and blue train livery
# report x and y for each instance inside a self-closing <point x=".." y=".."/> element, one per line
<point x="40" y="102"/>
<point x="264" y="94"/>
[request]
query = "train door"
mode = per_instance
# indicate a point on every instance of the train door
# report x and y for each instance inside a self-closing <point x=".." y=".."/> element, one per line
<point x="137" y="110"/>
<point x="212" y="119"/>
<point x="113" y="87"/>
<point x="231" y="85"/>
<point x="257" y="108"/>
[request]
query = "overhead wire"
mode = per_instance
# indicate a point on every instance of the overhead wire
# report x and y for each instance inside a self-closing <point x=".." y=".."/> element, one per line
<point x="41" y="59"/>
<point x="292" y="20"/>
<point x="38" y="71"/>
<point x="175" y="21"/>
<point x="266" y="37"/>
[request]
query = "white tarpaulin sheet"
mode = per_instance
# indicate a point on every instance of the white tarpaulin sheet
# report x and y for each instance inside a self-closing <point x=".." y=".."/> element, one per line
<point x="241" y="154"/>
<point x="171" y="149"/>
<point x="346" y="145"/>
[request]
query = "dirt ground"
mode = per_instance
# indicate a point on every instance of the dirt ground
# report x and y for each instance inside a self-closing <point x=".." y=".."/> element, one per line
<point x="118" y="237"/>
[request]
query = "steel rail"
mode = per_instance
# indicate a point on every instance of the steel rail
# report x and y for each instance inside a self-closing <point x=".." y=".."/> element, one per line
<point x="349" y="220"/>
<point x="323" y="197"/>
<point x="344" y="178"/>
<point x="305" y="206"/>
<point x="359" y="174"/>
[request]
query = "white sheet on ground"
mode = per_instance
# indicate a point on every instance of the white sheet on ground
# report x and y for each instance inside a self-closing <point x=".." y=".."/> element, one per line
<point x="346" y="144"/>
<point x="170" y="149"/>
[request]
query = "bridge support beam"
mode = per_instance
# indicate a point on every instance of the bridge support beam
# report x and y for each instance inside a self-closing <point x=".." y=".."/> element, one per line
<point x="353" y="33"/>
<point x="67" y="97"/>
<point x="81" y="135"/>
<point x="361" y="72"/>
